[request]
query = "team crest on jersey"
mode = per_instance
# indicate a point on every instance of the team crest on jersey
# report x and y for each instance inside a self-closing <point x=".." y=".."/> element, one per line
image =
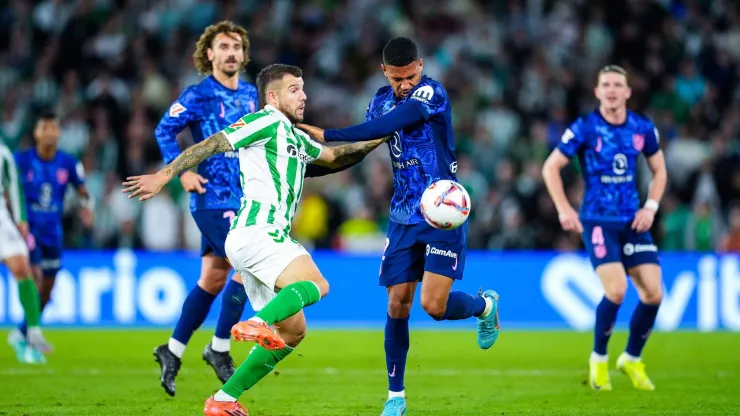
<point x="29" y="176"/>
<point x="598" y="145"/>
<point x="62" y="176"/>
<point x="176" y="109"/>
<point x="638" y="141"/>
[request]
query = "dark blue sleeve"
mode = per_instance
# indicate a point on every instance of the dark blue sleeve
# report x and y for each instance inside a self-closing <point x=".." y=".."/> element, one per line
<point x="406" y="114"/>
<point x="181" y="113"/>
<point x="572" y="139"/>
<point x="652" y="142"/>
<point x="314" y="171"/>
<point x="76" y="172"/>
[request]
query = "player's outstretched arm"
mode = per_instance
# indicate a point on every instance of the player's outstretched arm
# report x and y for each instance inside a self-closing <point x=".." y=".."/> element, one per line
<point x="347" y="154"/>
<point x="554" y="183"/>
<point x="406" y="114"/>
<point x="147" y="186"/>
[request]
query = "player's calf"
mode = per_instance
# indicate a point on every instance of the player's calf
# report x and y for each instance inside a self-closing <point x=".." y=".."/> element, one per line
<point x="300" y="285"/>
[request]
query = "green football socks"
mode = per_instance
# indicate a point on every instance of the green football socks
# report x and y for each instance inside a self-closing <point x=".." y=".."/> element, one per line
<point x="258" y="364"/>
<point x="29" y="297"/>
<point x="289" y="301"/>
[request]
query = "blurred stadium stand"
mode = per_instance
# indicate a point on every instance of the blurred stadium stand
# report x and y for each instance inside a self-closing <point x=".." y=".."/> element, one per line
<point x="517" y="72"/>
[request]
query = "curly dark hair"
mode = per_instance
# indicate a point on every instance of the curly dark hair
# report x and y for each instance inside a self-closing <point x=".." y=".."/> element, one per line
<point x="200" y="56"/>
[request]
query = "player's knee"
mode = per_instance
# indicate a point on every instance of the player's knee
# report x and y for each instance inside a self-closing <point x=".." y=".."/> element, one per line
<point x="212" y="281"/>
<point x="434" y="308"/>
<point x="399" y="306"/>
<point x="21" y="271"/>
<point x="615" y="293"/>
<point x="652" y="297"/>
<point x="323" y="286"/>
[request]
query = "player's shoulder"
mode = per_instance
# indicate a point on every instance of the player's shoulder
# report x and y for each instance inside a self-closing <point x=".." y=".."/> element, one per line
<point x="428" y="89"/>
<point x="640" y="119"/>
<point x="65" y="157"/>
<point x="585" y="122"/>
<point x="23" y="155"/>
<point x="247" y="87"/>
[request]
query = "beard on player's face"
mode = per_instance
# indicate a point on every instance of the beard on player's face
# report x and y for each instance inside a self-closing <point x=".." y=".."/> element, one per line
<point x="229" y="66"/>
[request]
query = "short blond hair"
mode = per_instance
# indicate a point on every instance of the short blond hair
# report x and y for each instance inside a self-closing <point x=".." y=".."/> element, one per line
<point x="200" y="56"/>
<point x="615" y="69"/>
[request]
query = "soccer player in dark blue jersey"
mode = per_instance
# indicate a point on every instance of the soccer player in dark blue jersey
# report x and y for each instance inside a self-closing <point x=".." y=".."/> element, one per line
<point x="615" y="228"/>
<point x="207" y="108"/>
<point x="416" y="111"/>
<point x="45" y="174"/>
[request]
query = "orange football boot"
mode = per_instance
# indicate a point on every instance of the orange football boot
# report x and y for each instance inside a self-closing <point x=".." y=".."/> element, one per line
<point x="214" y="408"/>
<point x="258" y="332"/>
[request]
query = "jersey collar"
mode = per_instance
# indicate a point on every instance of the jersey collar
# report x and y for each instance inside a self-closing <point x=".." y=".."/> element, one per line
<point x="279" y="114"/>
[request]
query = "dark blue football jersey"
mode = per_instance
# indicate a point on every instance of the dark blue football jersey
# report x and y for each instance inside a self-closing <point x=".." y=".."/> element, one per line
<point x="45" y="183"/>
<point x="608" y="155"/>
<point x="207" y="108"/>
<point x="422" y="152"/>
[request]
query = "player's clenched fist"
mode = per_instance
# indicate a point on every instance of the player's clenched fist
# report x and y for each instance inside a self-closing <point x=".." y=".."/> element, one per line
<point x="569" y="220"/>
<point x="145" y="186"/>
<point x="192" y="182"/>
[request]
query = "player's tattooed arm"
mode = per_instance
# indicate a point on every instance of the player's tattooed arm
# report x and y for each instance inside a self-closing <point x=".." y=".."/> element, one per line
<point x="346" y="154"/>
<point x="148" y="186"/>
<point x="197" y="153"/>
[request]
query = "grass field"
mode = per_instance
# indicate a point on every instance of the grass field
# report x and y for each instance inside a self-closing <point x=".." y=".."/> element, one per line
<point x="342" y="373"/>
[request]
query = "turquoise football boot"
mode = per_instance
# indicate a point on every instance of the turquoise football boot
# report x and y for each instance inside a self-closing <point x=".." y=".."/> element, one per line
<point x="395" y="406"/>
<point x="488" y="326"/>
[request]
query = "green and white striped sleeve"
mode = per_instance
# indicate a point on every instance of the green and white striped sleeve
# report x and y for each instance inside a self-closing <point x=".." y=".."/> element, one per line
<point x="251" y="128"/>
<point x="313" y="148"/>
<point x="12" y="183"/>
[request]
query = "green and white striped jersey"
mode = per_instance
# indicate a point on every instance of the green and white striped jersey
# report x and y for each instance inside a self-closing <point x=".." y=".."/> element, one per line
<point x="10" y="182"/>
<point x="273" y="155"/>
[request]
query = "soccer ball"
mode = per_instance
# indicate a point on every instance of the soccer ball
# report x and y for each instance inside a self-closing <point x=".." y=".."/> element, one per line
<point x="445" y="204"/>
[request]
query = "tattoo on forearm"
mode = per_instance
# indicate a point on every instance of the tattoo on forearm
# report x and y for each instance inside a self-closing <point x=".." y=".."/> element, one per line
<point x="218" y="143"/>
<point x="351" y="153"/>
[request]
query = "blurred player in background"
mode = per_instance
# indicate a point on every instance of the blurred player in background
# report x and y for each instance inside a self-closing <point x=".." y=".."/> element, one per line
<point x="615" y="229"/>
<point x="206" y="108"/>
<point x="14" y="253"/>
<point x="416" y="111"/>
<point x="279" y="274"/>
<point x="45" y="174"/>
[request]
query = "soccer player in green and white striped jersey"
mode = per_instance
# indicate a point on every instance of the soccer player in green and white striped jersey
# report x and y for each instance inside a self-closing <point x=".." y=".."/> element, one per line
<point x="279" y="275"/>
<point x="14" y="253"/>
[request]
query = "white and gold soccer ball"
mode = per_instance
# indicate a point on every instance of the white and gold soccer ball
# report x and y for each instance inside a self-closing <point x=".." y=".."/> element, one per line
<point x="445" y="204"/>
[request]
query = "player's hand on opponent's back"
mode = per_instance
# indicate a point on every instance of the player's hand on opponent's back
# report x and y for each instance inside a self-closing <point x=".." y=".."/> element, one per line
<point x="569" y="220"/>
<point x="145" y="186"/>
<point x="643" y="220"/>
<point x="192" y="182"/>
<point x="315" y="132"/>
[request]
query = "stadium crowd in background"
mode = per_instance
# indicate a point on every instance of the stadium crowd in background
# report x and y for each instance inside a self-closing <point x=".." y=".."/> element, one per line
<point x="518" y="72"/>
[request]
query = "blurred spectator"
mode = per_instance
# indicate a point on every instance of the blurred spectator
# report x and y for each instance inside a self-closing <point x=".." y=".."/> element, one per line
<point x="518" y="73"/>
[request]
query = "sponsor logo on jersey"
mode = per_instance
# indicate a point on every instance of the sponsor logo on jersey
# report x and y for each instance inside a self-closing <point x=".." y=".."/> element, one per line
<point x="395" y="145"/>
<point x="445" y="253"/>
<point x="630" y="249"/>
<point x="238" y="124"/>
<point x="619" y="164"/>
<point x="423" y="94"/>
<point x="293" y="152"/>
<point x="176" y="109"/>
